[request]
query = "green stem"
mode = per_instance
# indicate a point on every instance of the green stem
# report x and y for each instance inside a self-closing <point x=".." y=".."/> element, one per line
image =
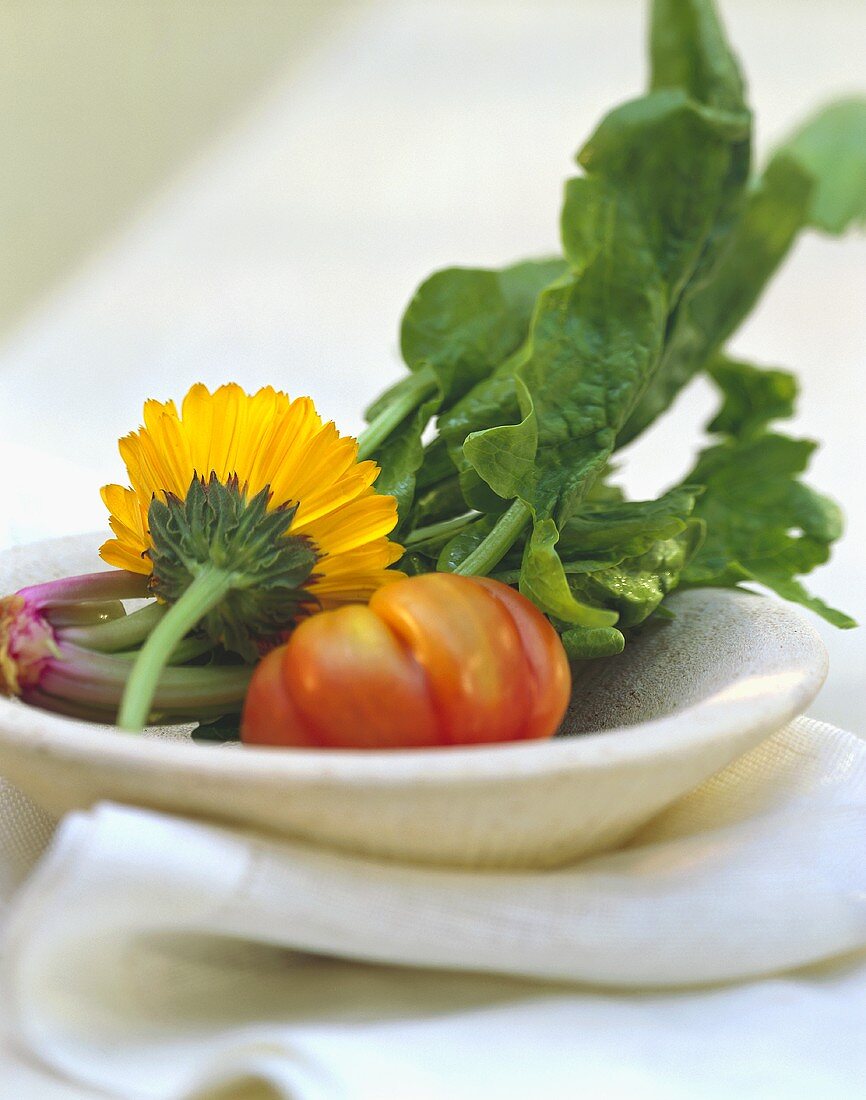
<point x="492" y="550"/>
<point x="209" y="587"/>
<point x="111" y="584"/>
<point x="120" y="634"/>
<point x="188" y="689"/>
<point x="84" y="676"/>
<point x="105" y="713"/>
<point x="444" y="529"/>
<point x="184" y="651"/>
<point x="375" y="434"/>
<point x="62" y="615"/>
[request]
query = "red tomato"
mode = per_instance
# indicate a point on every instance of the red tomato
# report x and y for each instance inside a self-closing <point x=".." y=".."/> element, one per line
<point x="436" y="659"/>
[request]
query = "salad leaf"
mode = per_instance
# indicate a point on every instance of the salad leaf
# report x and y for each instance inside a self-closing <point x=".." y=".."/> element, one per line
<point x="635" y="230"/>
<point x="400" y="457"/>
<point x="539" y="372"/>
<point x="753" y="396"/>
<point x="763" y="524"/>
<point x="585" y="644"/>
<point x="831" y="149"/>
<point x="459" y="326"/>
<point x="688" y="50"/>
<point x="636" y="586"/>
<point x="817" y="179"/>
<point x="610" y="533"/>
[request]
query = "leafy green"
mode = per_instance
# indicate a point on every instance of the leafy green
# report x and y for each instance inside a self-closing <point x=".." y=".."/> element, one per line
<point x="625" y="557"/>
<point x="635" y="230"/>
<point x="688" y="50"/>
<point x="831" y="149"/>
<point x="584" y="644"/>
<point x="219" y="731"/>
<point x="400" y="457"/>
<point x="539" y="372"/>
<point x="460" y="325"/>
<point x="753" y="396"/>
<point x="636" y="586"/>
<point x="818" y="179"/>
<point x="763" y="524"/>
<point x="609" y="533"/>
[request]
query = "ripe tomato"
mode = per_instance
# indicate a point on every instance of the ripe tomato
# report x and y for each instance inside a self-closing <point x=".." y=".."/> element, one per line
<point x="436" y="659"/>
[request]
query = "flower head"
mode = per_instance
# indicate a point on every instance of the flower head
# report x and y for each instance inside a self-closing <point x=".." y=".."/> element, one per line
<point x="264" y="442"/>
<point x="27" y="644"/>
<point x="248" y="513"/>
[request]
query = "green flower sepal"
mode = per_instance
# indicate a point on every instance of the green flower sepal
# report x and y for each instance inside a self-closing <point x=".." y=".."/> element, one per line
<point x="230" y="572"/>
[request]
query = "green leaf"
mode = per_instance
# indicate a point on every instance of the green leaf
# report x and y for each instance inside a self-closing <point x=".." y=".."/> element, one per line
<point x="688" y="50"/>
<point x="818" y="179"/>
<point x="672" y="155"/>
<point x="665" y="174"/>
<point x="585" y="644"/>
<point x="464" y="322"/>
<point x="636" y="586"/>
<point x="461" y="324"/>
<point x="612" y="532"/>
<point x="460" y="546"/>
<point x="544" y="371"/>
<point x="505" y="455"/>
<point x="831" y="149"/>
<point x="753" y="397"/>
<point x="391" y="396"/>
<point x="440" y="502"/>
<point x="490" y="404"/>
<point x="543" y="580"/>
<point x="627" y="556"/>
<point x="400" y="458"/>
<point x="763" y="523"/>
<point x="220" y="731"/>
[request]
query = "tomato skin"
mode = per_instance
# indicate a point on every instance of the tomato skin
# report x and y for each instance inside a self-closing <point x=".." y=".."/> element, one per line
<point x="355" y="686"/>
<point x="469" y="649"/>
<point x="436" y="659"/>
<point x="550" y="673"/>
<point x="269" y="713"/>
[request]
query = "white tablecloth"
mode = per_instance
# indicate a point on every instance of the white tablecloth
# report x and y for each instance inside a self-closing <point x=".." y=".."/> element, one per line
<point x="152" y="957"/>
<point x="424" y="135"/>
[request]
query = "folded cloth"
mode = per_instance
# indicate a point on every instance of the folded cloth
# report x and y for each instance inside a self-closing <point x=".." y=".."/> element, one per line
<point x="157" y="957"/>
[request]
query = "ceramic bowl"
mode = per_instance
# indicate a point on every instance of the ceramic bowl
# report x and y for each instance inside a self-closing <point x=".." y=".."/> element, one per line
<point x="685" y="699"/>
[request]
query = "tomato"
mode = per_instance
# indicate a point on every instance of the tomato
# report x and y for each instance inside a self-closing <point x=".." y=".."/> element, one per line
<point x="436" y="659"/>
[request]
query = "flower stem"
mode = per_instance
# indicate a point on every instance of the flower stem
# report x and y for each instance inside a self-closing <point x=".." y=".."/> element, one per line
<point x="184" y="651"/>
<point x="105" y="714"/>
<point x="444" y="529"/>
<point x="496" y="545"/>
<point x="120" y="634"/>
<point x="209" y="587"/>
<point x="369" y="441"/>
<point x="111" y="584"/>
<point x="89" y="613"/>
<point x="97" y="679"/>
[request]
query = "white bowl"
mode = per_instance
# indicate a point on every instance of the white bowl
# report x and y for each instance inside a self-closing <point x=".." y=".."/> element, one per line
<point x="685" y="699"/>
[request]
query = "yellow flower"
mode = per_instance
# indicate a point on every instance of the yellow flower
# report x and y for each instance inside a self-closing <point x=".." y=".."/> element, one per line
<point x="266" y="440"/>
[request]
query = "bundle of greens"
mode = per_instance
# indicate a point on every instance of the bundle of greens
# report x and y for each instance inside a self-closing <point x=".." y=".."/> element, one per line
<point x="537" y="374"/>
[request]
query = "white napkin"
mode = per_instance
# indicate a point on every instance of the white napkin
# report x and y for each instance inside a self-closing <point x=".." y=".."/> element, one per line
<point x="154" y="957"/>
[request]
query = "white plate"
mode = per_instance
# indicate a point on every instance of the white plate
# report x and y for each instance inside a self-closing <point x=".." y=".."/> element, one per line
<point x="685" y="699"/>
